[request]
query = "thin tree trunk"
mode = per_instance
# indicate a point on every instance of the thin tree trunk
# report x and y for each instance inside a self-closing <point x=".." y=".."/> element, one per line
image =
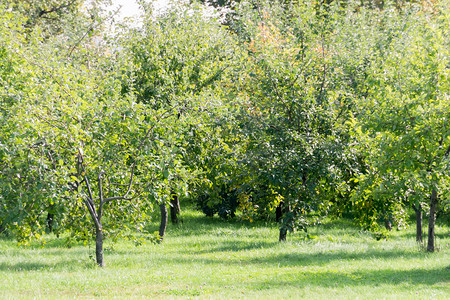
<point x="287" y="223"/>
<point x="283" y="232"/>
<point x="163" y="225"/>
<point x="419" y="231"/>
<point x="279" y="212"/>
<point x="174" y="208"/>
<point x="388" y="224"/>
<point x="50" y="218"/>
<point x="432" y="220"/>
<point x="387" y="221"/>
<point x="99" y="246"/>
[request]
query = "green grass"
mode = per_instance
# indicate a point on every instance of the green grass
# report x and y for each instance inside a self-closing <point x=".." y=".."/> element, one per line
<point x="209" y="258"/>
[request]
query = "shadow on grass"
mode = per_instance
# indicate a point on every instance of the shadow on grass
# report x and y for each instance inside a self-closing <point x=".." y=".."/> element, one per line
<point x="361" y="278"/>
<point x="321" y="259"/>
<point x="412" y="235"/>
<point x="234" y="246"/>
<point x="6" y="238"/>
<point x="224" y="242"/>
<point x="291" y="276"/>
<point x="289" y="259"/>
<point x="63" y="266"/>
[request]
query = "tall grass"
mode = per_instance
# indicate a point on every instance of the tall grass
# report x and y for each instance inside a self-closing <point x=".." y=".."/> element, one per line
<point x="210" y="258"/>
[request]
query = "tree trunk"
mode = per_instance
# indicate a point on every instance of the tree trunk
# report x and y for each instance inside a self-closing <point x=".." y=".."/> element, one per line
<point x="163" y="225"/>
<point x="387" y="220"/>
<point x="387" y="223"/>
<point x="419" y="231"/>
<point x="279" y="212"/>
<point x="50" y="218"/>
<point x="99" y="246"/>
<point x="432" y="220"/>
<point x="287" y="222"/>
<point x="283" y="232"/>
<point x="174" y="208"/>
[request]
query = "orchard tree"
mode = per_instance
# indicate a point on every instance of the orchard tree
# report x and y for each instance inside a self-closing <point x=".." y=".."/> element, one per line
<point x="109" y="152"/>
<point x="89" y="151"/>
<point x="181" y="60"/>
<point x="24" y="186"/>
<point x="63" y="26"/>
<point x="289" y="112"/>
<point x="404" y="118"/>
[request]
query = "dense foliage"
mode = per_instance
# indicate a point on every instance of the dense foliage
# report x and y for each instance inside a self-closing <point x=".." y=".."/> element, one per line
<point x="287" y="110"/>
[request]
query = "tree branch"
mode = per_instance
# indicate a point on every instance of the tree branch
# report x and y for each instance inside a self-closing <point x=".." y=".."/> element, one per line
<point x="91" y="210"/>
<point x="56" y="8"/>
<point x="124" y="197"/>
<point x="115" y="198"/>
<point x="90" y="204"/>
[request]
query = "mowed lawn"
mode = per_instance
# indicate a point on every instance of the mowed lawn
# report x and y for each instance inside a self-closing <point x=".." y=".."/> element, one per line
<point x="210" y="258"/>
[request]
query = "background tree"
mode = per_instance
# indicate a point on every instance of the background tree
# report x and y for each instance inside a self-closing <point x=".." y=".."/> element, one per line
<point x="181" y="58"/>
<point x="403" y="117"/>
<point x="289" y="114"/>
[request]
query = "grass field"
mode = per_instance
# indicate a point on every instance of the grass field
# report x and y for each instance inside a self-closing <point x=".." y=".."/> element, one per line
<point x="209" y="258"/>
